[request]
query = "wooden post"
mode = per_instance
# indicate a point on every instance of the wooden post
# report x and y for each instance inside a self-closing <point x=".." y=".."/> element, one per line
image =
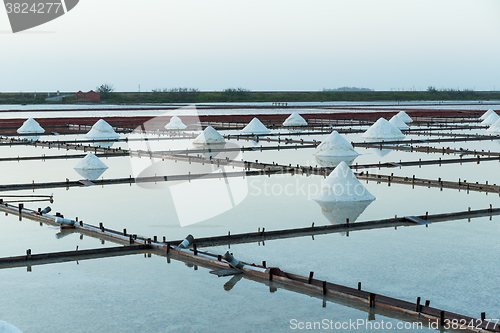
<point x="195" y="251"/>
<point x="441" y="318"/>
<point x="125" y="232"/>
<point x="483" y="316"/>
<point x="417" y="306"/>
<point x="324" y="287"/>
<point x="371" y="300"/>
<point x="21" y="206"/>
<point x="311" y="274"/>
<point x="359" y="285"/>
<point x="131" y="240"/>
<point x="427" y="303"/>
<point x="28" y="254"/>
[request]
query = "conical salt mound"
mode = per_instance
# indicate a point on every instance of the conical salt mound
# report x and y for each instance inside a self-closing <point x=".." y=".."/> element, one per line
<point x="175" y="124"/>
<point x="209" y="136"/>
<point x="399" y="123"/>
<point x="102" y="130"/>
<point x="342" y="185"/>
<point x="495" y="128"/>
<point x="30" y="126"/>
<point x="90" y="167"/>
<point x="295" y="119"/>
<point x="335" y="145"/>
<point x="486" y="114"/>
<point x="255" y="127"/>
<point x="405" y="117"/>
<point x="90" y="162"/>
<point x="491" y="119"/>
<point x="384" y="130"/>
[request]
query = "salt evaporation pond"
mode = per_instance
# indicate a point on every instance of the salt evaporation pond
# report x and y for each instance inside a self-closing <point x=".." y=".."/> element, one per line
<point x="134" y="293"/>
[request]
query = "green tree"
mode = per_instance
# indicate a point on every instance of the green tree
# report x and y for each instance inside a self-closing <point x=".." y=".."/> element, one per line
<point x="105" y="90"/>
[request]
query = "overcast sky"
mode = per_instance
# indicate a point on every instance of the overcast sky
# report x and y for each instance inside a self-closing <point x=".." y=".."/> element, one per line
<point x="257" y="45"/>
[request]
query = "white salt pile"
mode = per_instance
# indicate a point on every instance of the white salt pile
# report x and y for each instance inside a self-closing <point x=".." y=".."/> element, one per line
<point x="102" y="130"/>
<point x="335" y="145"/>
<point x="30" y="126"/>
<point x="175" y="124"/>
<point x="382" y="129"/>
<point x="491" y="119"/>
<point x="91" y="162"/>
<point x="495" y="128"/>
<point x="342" y="185"/>
<point x="486" y="114"/>
<point x="405" y="117"/>
<point x="209" y="136"/>
<point x="295" y="119"/>
<point x="255" y="127"/>
<point x="399" y="123"/>
<point x="90" y="167"/>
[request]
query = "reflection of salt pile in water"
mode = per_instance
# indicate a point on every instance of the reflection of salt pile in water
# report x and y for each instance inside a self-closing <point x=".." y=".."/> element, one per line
<point x="255" y="127"/>
<point x="8" y="328"/>
<point x="487" y="114"/>
<point x="342" y="185"/>
<point x="381" y="152"/>
<point x="295" y="119"/>
<point x="30" y="126"/>
<point x="491" y="119"/>
<point x="343" y="196"/>
<point x="495" y="128"/>
<point x="335" y="145"/>
<point x="175" y="124"/>
<point x="382" y="129"/>
<point x="90" y="167"/>
<point x="209" y="136"/>
<point x="404" y="117"/>
<point x="338" y="212"/>
<point x="399" y="123"/>
<point x="333" y="161"/>
<point x="101" y="130"/>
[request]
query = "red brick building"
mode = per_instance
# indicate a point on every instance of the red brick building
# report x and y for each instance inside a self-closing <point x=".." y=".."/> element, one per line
<point x="90" y="96"/>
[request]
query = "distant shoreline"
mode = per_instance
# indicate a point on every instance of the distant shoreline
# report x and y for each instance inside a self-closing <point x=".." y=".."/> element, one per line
<point x="256" y="96"/>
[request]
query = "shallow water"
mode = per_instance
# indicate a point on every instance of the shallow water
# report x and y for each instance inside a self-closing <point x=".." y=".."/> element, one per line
<point x="89" y="110"/>
<point x="450" y="263"/>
